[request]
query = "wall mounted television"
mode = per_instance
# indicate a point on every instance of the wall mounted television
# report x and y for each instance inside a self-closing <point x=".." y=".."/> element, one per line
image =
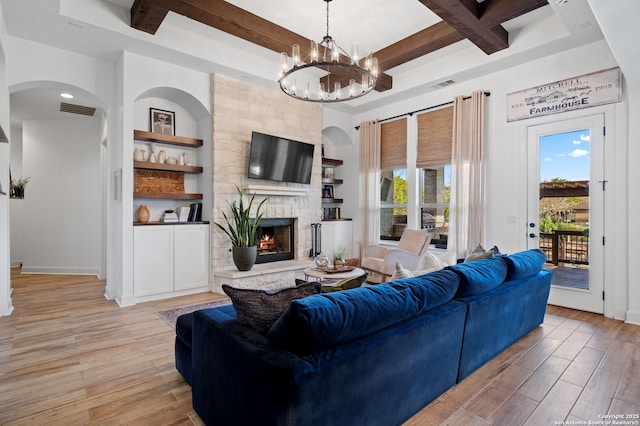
<point x="280" y="159"/>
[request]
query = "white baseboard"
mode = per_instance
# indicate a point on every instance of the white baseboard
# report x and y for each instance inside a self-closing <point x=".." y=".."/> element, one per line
<point x="633" y="317"/>
<point x="60" y="270"/>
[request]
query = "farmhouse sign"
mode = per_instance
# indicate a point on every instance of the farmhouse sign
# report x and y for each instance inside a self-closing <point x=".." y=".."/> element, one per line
<point x="598" y="88"/>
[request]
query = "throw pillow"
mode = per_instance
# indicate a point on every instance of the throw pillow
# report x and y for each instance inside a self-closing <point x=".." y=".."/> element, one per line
<point x="478" y="253"/>
<point x="259" y="309"/>
<point x="346" y="284"/>
<point x="430" y="262"/>
<point x="401" y="273"/>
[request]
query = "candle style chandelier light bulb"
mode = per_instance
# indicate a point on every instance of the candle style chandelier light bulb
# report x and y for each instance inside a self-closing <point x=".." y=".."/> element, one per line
<point x="358" y="75"/>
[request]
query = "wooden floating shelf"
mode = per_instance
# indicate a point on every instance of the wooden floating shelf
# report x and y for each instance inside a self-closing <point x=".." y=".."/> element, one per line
<point x="331" y="162"/>
<point x="332" y="181"/>
<point x="167" y="195"/>
<point x="142" y="135"/>
<point x="164" y="167"/>
<point x="332" y="200"/>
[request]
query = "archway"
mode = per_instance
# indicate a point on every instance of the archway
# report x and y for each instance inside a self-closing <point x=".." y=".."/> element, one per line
<point x="59" y="144"/>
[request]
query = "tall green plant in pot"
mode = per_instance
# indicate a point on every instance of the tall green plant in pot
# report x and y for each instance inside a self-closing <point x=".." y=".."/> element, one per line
<point x="241" y="229"/>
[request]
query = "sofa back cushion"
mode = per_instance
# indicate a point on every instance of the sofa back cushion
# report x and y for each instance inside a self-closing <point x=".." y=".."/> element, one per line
<point x="480" y="275"/>
<point x="524" y="264"/>
<point x="322" y="321"/>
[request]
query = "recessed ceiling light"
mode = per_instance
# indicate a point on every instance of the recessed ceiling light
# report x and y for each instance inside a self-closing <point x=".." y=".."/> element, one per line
<point x="66" y="95"/>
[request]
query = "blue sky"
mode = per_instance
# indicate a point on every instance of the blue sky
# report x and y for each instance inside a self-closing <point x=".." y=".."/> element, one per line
<point x="565" y="156"/>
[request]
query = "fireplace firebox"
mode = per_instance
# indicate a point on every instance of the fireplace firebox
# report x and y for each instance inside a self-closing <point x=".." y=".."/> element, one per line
<point x="275" y="240"/>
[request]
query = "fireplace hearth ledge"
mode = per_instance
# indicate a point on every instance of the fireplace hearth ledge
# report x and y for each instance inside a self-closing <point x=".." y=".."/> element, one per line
<point x="264" y="276"/>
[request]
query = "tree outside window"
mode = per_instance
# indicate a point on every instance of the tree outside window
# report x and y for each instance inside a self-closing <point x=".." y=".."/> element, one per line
<point x="393" y="203"/>
<point x="435" y="191"/>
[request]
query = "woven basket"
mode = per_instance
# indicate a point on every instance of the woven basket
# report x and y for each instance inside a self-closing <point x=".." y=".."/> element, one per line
<point x="150" y="181"/>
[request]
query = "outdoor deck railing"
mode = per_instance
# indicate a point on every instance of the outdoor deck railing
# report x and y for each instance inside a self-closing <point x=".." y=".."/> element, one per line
<point x="565" y="247"/>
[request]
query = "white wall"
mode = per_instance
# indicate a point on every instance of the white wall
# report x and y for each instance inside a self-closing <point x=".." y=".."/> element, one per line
<point x="506" y="154"/>
<point x="62" y="210"/>
<point x="5" y="270"/>
<point x="16" y="206"/>
<point x="622" y="39"/>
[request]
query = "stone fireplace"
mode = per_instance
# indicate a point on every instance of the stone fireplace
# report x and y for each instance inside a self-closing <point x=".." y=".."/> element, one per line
<point x="275" y="239"/>
<point x="238" y="108"/>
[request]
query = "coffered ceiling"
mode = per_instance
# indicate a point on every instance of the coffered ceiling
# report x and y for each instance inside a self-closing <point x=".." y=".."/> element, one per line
<point x="422" y="45"/>
<point x="480" y="23"/>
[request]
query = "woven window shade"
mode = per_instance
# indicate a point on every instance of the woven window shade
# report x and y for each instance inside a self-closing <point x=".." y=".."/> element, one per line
<point x="435" y="133"/>
<point x="393" y="145"/>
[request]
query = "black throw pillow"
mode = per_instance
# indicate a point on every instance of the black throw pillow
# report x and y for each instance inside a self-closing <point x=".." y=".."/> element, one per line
<point x="259" y="309"/>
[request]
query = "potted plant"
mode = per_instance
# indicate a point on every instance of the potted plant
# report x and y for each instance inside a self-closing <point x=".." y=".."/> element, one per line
<point x="241" y="229"/>
<point x="339" y="257"/>
<point x="18" y="186"/>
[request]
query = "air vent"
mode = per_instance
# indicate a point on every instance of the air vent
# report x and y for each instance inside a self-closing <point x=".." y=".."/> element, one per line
<point x="77" y="109"/>
<point x="445" y="83"/>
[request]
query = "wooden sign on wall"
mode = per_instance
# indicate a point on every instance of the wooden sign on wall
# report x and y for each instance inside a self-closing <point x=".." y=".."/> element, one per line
<point x="588" y="90"/>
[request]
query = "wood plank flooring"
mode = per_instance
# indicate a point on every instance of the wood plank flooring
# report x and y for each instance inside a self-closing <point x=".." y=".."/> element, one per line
<point x="70" y="357"/>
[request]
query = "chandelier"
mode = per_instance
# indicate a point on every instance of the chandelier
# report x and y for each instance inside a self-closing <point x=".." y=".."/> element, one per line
<point x="328" y="56"/>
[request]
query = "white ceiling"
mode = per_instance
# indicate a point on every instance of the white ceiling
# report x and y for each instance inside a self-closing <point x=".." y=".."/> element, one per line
<point x="100" y="28"/>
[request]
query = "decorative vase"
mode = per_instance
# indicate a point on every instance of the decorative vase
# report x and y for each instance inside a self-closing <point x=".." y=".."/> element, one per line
<point x="322" y="261"/>
<point x="244" y="257"/>
<point x="138" y="154"/>
<point x="143" y="214"/>
<point x="162" y="156"/>
<point x="339" y="262"/>
<point x="152" y="156"/>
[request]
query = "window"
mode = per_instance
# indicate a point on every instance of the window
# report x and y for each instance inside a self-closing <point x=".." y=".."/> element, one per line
<point x="393" y="179"/>
<point x="393" y="203"/>
<point x="435" y="192"/>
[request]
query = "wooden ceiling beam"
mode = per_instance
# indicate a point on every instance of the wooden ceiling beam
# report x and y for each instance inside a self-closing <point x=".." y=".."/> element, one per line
<point x="233" y="20"/>
<point x="416" y="45"/>
<point x="147" y="16"/>
<point x="497" y="12"/>
<point x="482" y="18"/>
<point x="464" y="16"/>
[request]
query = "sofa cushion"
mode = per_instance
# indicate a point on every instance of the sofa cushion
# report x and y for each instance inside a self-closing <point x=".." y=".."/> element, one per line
<point x="259" y="309"/>
<point x="480" y="275"/>
<point x="524" y="264"/>
<point x="322" y="321"/>
<point x="184" y="328"/>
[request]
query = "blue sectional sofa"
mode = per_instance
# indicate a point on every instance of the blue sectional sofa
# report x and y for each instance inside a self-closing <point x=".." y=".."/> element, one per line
<point x="372" y="355"/>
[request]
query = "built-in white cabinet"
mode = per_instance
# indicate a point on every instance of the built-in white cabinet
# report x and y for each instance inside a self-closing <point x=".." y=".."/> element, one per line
<point x="170" y="260"/>
<point x="337" y="234"/>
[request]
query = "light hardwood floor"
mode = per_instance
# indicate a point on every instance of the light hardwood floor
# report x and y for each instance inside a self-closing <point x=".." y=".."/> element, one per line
<point x="70" y="357"/>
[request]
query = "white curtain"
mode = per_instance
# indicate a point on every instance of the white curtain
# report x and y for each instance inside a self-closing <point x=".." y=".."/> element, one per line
<point x="466" y="217"/>
<point x="370" y="182"/>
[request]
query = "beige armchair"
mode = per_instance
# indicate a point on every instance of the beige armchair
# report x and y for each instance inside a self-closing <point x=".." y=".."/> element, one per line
<point x="412" y="245"/>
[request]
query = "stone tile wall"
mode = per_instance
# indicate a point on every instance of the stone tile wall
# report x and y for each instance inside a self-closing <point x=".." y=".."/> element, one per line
<point x="240" y="107"/>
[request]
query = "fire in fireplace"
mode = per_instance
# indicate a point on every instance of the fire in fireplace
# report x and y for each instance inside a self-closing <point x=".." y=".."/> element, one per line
<point x="275" y="240"/>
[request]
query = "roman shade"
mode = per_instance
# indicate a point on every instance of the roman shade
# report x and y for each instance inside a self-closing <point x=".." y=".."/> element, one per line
<point x="393" y="145"/>
<point x="435" y="132"/>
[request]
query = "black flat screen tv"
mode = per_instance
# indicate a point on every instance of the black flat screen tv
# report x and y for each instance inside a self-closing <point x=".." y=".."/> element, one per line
<point x="280" y="159"/>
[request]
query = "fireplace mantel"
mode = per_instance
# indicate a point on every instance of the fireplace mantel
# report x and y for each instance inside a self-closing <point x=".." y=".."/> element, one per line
<point x="276" y="190"/>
